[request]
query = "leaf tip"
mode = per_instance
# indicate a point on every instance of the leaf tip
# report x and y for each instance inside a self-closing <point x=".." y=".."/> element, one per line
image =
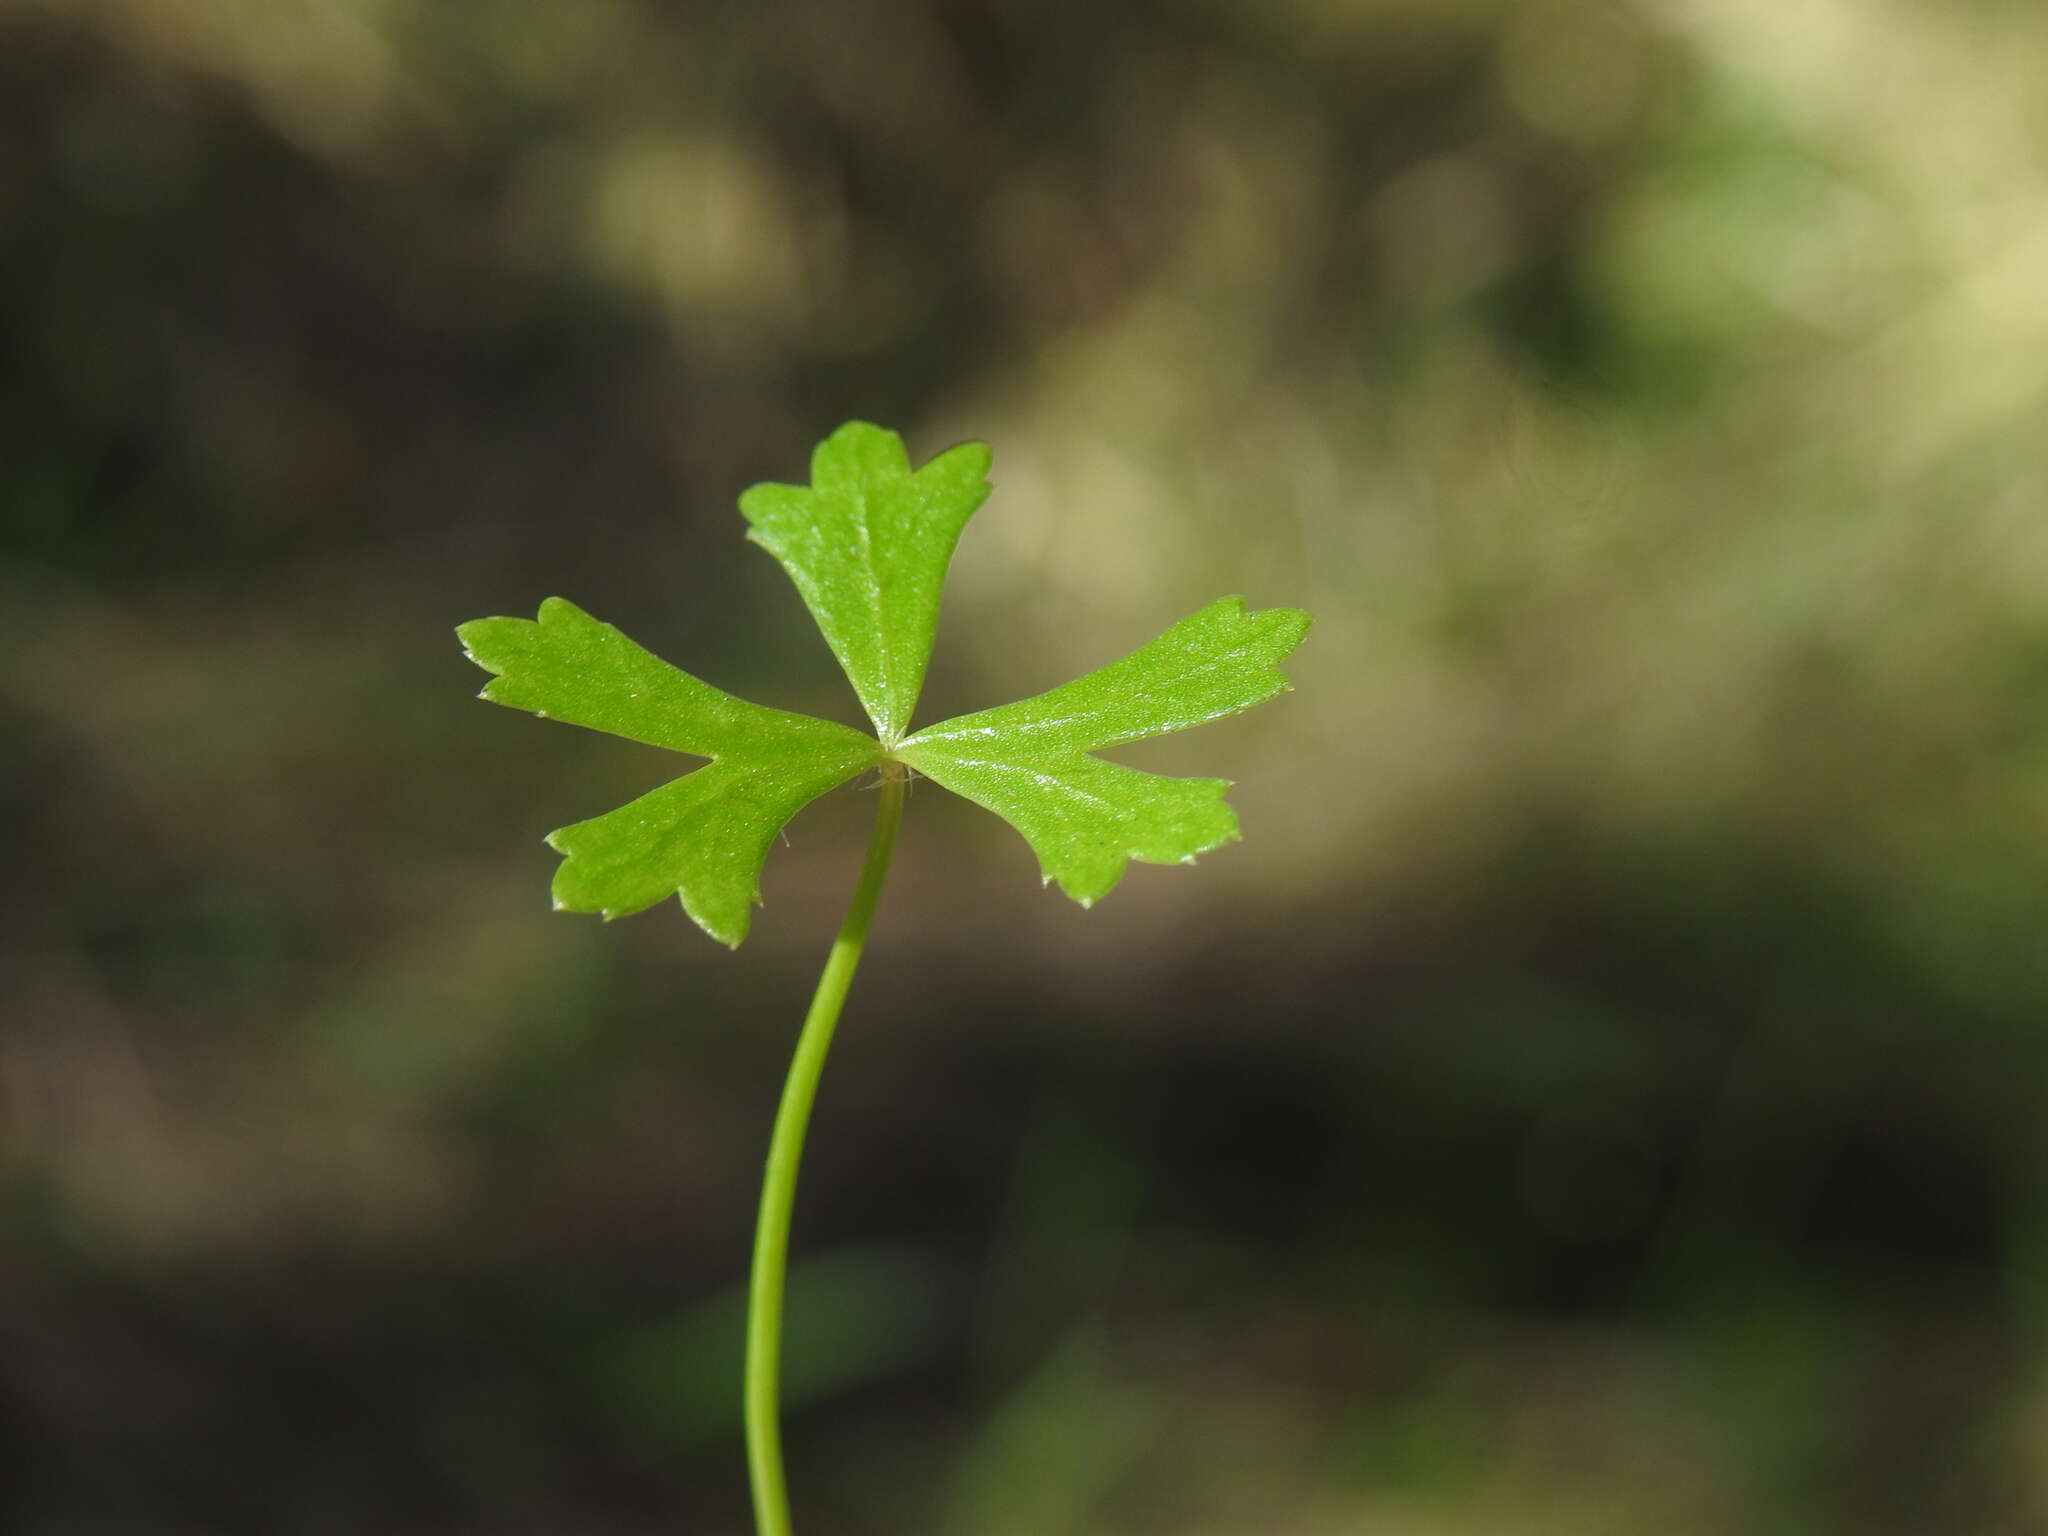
<point x="972" y="458"/>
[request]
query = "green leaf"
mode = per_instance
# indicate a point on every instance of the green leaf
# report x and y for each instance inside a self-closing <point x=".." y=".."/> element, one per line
<point x="1085" y="817"/>
<point x="703" y="837"/>
<point x="867" y="545"/>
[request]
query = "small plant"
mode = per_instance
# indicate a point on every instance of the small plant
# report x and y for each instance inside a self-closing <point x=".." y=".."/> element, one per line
<point x="867" y="543"/>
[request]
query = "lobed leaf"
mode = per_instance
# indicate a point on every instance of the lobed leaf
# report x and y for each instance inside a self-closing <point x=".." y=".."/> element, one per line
<point x="1084" y="817"/>
<point x="1217" y="661"/>
<point x="867" y="544"/>
<point x="704" y="836"/>
<point x="569" y="666"/>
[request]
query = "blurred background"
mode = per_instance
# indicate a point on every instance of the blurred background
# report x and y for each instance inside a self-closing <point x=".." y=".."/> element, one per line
<point x="1607" y="1090"/>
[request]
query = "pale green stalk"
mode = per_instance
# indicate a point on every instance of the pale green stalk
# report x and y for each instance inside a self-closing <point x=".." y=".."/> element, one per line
<point x="785" y="1152"/>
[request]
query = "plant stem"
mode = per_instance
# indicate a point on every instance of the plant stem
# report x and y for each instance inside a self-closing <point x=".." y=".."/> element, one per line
<point x="785" y="1152"/>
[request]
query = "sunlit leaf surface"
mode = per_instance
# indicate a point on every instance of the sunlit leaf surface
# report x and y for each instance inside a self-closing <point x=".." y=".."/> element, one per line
<point x="704" y="836"/>
<point x="867" y="544"/>
<point x="1028" y="762"/>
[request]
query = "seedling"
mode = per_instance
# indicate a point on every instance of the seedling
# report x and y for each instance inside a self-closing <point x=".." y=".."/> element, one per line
<point x="867" y="543"/>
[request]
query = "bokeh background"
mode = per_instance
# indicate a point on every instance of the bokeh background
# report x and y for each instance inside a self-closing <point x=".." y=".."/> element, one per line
<point x="1607" y="1090"/>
